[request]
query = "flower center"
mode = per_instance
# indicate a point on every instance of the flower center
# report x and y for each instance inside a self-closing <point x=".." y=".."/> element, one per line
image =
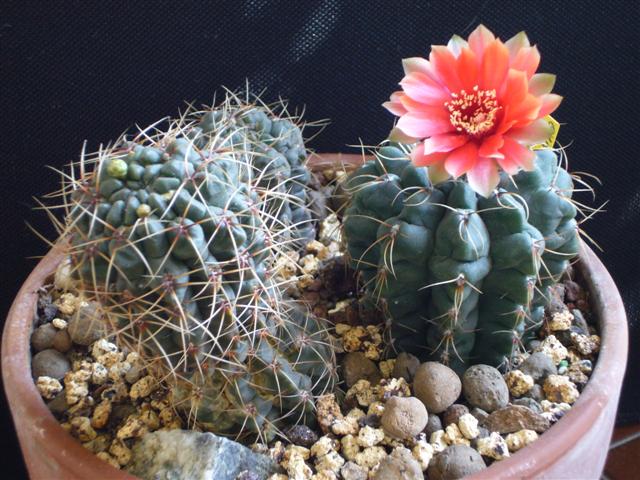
<point x="473" y="112"/>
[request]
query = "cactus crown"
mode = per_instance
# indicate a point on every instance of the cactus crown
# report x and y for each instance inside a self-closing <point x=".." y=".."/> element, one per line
<point x="464" y="278"/>
<point x="175" y="232"/>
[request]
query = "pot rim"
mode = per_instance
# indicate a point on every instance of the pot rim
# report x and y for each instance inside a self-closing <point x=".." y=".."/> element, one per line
<point x="26" y="403"/>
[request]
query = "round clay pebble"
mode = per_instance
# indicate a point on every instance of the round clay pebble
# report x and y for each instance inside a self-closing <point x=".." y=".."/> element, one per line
<point x="405" y="366"/>
<point x="400" y="464"/>
<point x="484" y="387"/>
<point x="356" y="366"/>
<point x="453" y="413"/>
<point x="437" y="386"/>
<point x="454" y="462"/>
<point x="62" y="341"/>
<point x="539" y="366"/>
<point x="49" y="363"/>
<point x="433" y="425"/>
<point x="404" y="417"/>
<point x="42" y="337"/>
<point x="87" y="325"/>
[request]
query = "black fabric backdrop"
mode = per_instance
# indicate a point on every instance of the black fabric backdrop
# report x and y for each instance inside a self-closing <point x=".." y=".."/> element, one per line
<point x="76" y="70"/>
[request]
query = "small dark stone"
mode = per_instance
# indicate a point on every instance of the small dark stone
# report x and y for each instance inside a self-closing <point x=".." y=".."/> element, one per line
<point x="58" y="405"/>
<point x="539" y="366"/>
<point x="455" y="462"/>
<point x="453" y="413"/>
<point x="302" y="435"/>
<point x="484" y="387"/>
<point x="120" y="413"/>
<point x="356" y="366"/>
<point x="556" y="299"/>
<point x="580" y="322"/>
<point x="42" y="337"/>
<point x="529" y="403"/>
<point x="47" y="310"/>
<point x="405" y="366"/>
<point x="433" y="425"/>
<point x="372" y="420"/>
<point x="49" y="363"/>
<point x="572" y="291"/>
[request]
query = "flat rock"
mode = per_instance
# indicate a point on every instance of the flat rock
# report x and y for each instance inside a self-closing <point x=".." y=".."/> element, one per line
<point x="512" y="418"/>
<point x="169" y="455"/>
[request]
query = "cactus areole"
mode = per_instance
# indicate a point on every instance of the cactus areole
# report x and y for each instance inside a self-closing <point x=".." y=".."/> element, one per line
<point x="175" y="232"/>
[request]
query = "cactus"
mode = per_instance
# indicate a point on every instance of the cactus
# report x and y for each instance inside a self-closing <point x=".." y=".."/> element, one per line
<point x="462" y="277"/>
<point x="175" y="233"/>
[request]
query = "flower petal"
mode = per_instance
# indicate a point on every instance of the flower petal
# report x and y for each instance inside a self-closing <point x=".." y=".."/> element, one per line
<point x="444" y="64"/>
<point x="491" y="146"/>
<point x="419" y="158"/>
<point x="515" y="88"/>
<point x="462" y="159"/>
<point x="515" y="156"/>
<point x="416" y="64"/>
<point x="534" y="134"/>
<point x="467" y="66"/>
<point x="456" y="44"/>
<point x="483" y="177"/>
<point x="527" y="60"/>
<point x="422" y="88"/>
<point x="523" y="113"/>
<point x="495" y="65"/>
<point x="517" y="42"/>
<point x="421" y="124"/>
<point x="394" y="105"/>
<point x="444" y="143"/>
<point x="479" y="39"/>
<point x="550" y="102"/>
<point x="541" y="83"/>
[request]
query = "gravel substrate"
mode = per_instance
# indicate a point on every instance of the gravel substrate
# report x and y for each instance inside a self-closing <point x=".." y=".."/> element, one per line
<point x="395" y="418"/>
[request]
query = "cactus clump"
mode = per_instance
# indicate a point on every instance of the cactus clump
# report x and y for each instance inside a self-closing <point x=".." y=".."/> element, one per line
<point x="175" y="232"/>
<point x="462" y="277"/>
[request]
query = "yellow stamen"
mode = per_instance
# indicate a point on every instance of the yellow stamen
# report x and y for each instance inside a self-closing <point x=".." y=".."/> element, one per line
<point x="473" y="112"/>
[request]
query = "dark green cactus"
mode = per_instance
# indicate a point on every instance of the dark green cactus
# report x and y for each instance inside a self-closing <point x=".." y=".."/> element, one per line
<point x="462" y="277"/>
<point x="175" y="234"/>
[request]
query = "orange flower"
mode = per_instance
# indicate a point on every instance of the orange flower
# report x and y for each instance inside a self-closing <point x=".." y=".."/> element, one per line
<point x="475" y="106"/>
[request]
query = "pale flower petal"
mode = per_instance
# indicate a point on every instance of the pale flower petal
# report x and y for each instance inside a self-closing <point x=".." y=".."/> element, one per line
<point x="541" y="83"/>
<point x="479" y="39"/>
<point x="550" y="102"/>
<point x="517" y="42"/>
<point x="456" y="44"/>
<point x="444" y="143"/>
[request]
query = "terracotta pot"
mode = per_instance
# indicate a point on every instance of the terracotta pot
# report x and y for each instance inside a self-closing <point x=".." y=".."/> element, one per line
<point x="576" y="447"/>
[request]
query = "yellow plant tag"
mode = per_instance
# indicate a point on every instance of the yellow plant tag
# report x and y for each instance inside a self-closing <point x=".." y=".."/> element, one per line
<point x="549" y="142"/>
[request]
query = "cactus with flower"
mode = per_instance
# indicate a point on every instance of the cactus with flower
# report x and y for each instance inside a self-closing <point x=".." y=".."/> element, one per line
<point x="464" y="220"/>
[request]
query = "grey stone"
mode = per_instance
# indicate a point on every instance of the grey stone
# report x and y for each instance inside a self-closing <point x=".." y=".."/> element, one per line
<point x="539" y="366"/>
<point x="405" y="366"/>
<point x="529" y="403"/>
<point x="87" y="324"/>
<point x="404" y="417"/>
<point x="453" y="413"/>
<point x="49" y="363"/>
<point x="454" y="462"/>
<point x="176" y="454"/>
<point x="59" y="404"/>
<point x="400" y="464"/>
<point x="433" y="425"/>
<point x="42" y="337"/>
<point x="580" y="322"/>
<point x="437" y="386"/>
<point x="484" y="387"/>
<point x="356" y="366"/>
<point x="512" y="418"/>
<point x="537" y="393"/>
<point x="480" y="414"/>
<point x="353" y="471"/>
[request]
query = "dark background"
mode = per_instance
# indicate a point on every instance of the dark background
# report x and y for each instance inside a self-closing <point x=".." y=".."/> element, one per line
<point x="76" y="70"/>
